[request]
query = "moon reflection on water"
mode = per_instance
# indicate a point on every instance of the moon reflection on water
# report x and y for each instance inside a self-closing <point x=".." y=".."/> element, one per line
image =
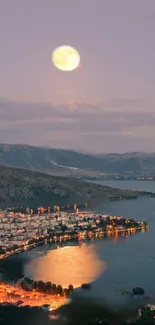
<point x="68" y="265"/>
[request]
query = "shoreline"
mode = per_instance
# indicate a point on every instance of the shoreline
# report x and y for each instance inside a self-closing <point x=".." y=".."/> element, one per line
<point x="72" y="238"/>
<point x="37" y="299"/>
<point x="124" y="194"/>
<point x="13" y="294"/>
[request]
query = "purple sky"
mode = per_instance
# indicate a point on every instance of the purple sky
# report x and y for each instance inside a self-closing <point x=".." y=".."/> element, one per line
<point x="108" y="103"/>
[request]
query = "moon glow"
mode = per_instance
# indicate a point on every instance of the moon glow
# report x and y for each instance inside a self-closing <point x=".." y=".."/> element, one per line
<point x="75" y="263"/>
<point x="65" y="58"/>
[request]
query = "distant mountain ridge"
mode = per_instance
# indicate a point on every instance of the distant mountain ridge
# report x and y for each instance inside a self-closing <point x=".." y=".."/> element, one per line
<point x="72" y="163"/>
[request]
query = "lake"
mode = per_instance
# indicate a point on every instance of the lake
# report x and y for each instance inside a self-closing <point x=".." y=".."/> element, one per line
<point x="118" y="263"/>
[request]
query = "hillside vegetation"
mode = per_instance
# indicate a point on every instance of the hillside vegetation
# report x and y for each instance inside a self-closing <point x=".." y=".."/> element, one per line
<point x="20" y="185"/>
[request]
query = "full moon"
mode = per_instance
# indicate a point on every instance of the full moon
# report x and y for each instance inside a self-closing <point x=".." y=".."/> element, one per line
<point x="65" y="58"/>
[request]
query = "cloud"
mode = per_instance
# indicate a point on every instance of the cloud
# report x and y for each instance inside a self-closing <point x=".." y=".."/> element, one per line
<point x="84" y="126"/>
<point x="143" y="131"/>
<point x="121" y="102"/>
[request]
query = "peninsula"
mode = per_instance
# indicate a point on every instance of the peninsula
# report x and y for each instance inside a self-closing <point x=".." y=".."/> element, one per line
<point x="21" y="187"/>
<point x="21" y="232"/>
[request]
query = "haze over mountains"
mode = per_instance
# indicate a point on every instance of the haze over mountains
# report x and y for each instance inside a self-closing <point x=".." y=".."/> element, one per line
<point x="71" y="163"/>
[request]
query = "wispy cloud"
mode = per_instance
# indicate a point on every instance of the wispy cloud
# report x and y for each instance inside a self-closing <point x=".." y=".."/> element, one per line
<point x="85" y="126"/>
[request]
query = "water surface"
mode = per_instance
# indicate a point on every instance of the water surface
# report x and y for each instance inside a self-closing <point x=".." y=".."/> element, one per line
<point x="130" y="184"/>
<point x="118" y="263"/>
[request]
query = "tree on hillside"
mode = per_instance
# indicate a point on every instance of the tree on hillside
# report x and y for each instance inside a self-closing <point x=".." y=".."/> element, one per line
<point x="53" y="289"/>
<point x="70" y="288"/>
<point x="48" y="287"/>
<point x="24" y="285"/>
<point x="35" y="285"/>
<point x="41" y="286"/>
<point x="59" y="289"/>
<point x="66" y="292"/>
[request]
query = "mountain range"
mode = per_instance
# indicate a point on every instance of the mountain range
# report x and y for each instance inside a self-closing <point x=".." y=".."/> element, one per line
<point x="60" y="162"/>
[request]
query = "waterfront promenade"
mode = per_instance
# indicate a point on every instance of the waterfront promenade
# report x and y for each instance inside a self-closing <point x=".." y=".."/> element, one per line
<point x="22" y="232"/>
<point x="72" y="237"/>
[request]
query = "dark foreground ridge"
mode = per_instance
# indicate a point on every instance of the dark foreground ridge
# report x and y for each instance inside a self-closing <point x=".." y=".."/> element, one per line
<point x="21" y="187"/>
<point x="81" y="313"/>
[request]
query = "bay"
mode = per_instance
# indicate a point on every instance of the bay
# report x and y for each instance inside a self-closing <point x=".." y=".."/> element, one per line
<point x="113" y="264"/>
<point x="129" y="184"/>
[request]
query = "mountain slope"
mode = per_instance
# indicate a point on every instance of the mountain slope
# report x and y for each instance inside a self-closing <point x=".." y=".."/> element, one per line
<point x="71" y="163"/>
<point x="57" y="162"/>
<point x="18" y="186"/>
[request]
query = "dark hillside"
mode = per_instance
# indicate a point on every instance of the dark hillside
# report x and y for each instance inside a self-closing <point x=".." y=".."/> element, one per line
<point x="18" y="186"/>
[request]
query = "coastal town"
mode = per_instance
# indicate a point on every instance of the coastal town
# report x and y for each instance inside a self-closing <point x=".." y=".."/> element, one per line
<point x="23" y="231"/>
